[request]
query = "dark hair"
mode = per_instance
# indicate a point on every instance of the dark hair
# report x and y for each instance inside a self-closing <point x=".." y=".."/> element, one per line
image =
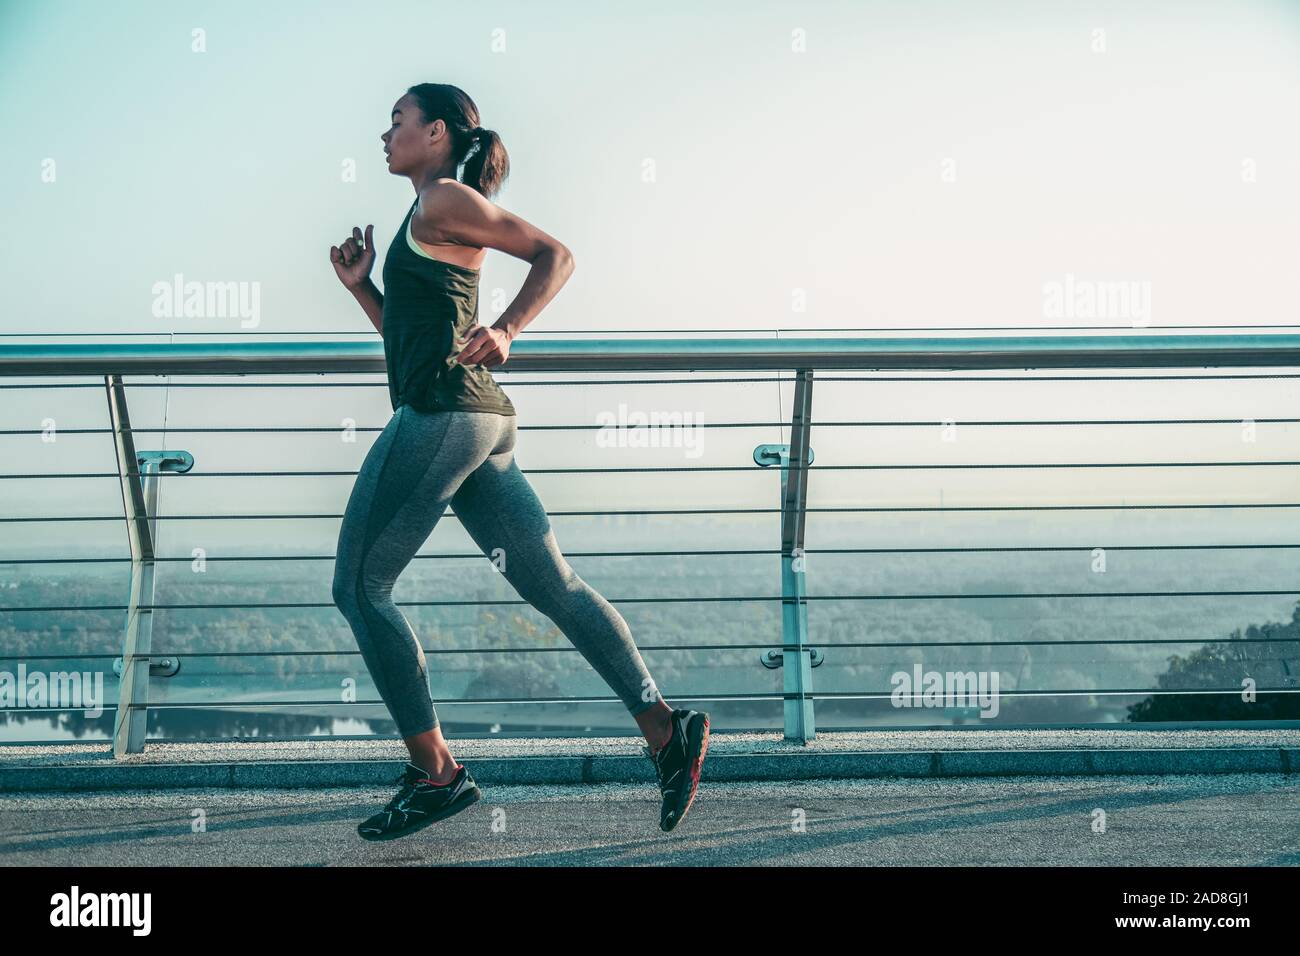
<point x="489" y="165"/>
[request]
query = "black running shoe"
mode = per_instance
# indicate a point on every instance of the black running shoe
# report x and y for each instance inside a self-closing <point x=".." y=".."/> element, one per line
<point x="419" y="803"/>
<point x="678" y="764"/>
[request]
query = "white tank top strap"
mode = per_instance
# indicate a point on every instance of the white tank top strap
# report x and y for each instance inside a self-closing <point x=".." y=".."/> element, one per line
<point x="415" y="246"/>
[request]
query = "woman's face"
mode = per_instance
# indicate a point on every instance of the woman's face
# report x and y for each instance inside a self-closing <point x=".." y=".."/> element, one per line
<point x="410" y="142"/>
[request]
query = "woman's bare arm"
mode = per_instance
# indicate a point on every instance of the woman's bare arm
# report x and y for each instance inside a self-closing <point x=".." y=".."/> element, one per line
<point x="372" y="302"/>
<point x="454" y="212"/>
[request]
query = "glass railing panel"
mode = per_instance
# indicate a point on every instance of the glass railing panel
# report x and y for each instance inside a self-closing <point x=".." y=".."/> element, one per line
<point x="64" y="562"/>
<point x="625" y="519"/>
<point x="1001" y="568"/>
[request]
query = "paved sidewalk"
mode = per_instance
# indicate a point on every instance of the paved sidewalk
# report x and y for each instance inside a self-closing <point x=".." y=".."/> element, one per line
<point x="1185" y="820"/>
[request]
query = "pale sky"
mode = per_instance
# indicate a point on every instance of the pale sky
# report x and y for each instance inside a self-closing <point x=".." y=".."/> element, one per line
<point x="721" y="165"/>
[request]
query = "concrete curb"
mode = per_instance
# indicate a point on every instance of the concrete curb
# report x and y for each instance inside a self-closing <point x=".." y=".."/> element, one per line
<point x="287" y="774"/>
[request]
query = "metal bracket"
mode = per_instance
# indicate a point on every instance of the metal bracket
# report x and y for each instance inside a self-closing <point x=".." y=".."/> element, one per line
<point x="773" y="659"/>
<point x="158" y="666"/>
<point x="176" y="462"/>
<point x="766" y="456"/>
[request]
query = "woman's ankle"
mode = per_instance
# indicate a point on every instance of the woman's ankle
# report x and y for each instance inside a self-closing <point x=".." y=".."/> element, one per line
<point x="438" y="768"/>
<point x="656" y="727"/>
<point x="430" y="753"/>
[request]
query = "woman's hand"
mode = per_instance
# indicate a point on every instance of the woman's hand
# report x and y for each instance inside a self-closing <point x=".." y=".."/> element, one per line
<point x="488" y="346"/>
<point x="352" y="260"/>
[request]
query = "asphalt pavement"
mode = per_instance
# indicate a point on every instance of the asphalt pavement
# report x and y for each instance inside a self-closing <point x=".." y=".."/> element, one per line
<point x="1160" y="820"/>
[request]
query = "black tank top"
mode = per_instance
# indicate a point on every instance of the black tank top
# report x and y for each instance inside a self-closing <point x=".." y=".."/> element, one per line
<point x="430" y="309"/>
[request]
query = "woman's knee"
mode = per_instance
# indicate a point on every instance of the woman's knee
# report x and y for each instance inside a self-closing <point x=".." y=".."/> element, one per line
<point x="344" y="590"/>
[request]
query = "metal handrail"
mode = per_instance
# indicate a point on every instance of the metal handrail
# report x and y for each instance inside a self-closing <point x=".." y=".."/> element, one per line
<point x="537" y="354"/>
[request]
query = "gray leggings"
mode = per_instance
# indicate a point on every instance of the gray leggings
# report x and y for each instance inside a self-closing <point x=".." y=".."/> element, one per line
<point x="420" y="463"/>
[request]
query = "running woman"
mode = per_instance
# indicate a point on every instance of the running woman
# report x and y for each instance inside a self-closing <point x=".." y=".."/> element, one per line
<point x="451" y="441"/>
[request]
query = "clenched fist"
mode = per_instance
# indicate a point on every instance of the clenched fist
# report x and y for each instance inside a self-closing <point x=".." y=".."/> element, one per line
<point x="488" y="346"/>
<point x="354" y="259"/>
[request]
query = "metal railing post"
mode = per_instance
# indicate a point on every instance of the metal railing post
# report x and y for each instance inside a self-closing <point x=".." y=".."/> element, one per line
<point x="130" y="722"/>
<point x="140" y="506"/>
<point x="795" y="657"/>
<point x="800" y="724"/>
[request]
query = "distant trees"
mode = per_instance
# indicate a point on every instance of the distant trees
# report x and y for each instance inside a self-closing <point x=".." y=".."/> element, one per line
<point x="1268" y="654"/>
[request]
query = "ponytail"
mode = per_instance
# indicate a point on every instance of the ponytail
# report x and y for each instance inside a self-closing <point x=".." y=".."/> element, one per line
<point x="480" y="150"/>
